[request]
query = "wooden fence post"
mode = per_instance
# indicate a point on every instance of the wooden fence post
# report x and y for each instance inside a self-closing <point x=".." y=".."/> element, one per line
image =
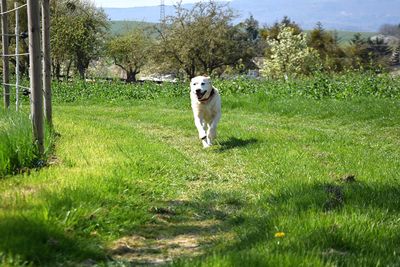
<point x="6" y="66"/>
<point x="35" y="73"/>
<point x="46" y="61"/>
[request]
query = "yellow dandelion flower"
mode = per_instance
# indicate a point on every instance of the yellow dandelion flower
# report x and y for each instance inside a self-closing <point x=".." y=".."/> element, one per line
<point x="279" y="234"/>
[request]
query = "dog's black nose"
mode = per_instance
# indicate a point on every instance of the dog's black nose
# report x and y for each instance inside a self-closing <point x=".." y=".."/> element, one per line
<point x="198" y="91"/>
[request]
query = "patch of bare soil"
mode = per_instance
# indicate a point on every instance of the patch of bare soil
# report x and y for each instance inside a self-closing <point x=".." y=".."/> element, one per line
<point x="169" y="239"/>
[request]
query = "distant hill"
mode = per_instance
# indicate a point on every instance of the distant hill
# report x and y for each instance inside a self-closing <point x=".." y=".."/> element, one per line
<point x="345" y="15"/>
<point x="144" y="14"/>
<point x="119" y="27"/>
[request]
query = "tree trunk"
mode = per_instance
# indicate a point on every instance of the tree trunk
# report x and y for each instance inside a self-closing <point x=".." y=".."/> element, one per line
<point x="191" y="71"/>
<point x="53" y="69"/>
<point x="57" y="71"/>
<point x="69" y="69"/>
<point x="81" y="71"/>
<point x="82" y="65"/>
<point x="131" y="76"/>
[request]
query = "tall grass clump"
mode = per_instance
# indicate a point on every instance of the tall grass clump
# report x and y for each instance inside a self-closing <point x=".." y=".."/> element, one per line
<point x="17" y="150"/>
<point x="318" y="86"/>
<point x="111" y="91"/>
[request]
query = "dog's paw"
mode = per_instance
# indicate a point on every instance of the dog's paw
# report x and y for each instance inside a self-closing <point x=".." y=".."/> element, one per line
<point x="209" y="142"/>
<point x="205" y="144"/>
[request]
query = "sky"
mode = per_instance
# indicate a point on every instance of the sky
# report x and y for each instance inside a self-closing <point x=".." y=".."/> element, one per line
<point x="136" y="3"/>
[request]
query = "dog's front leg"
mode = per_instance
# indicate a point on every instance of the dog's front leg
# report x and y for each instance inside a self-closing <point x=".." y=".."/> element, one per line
<point x="199" y="122"/>
<point x="212" y="129"/>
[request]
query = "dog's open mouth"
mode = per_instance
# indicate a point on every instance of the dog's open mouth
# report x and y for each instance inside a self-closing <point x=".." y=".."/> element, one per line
<point x="200" y="95"/>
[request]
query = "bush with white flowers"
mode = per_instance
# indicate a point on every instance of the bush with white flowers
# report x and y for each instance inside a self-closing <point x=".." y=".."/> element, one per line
<point x="288" y="55"/>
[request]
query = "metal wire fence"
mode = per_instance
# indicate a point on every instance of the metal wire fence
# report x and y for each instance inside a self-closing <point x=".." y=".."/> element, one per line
<point x="17" y="55"/>
<point x="39" y="60"/>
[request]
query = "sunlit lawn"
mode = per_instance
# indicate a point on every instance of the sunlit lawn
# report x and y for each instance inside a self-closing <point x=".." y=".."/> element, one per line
<point x="132" y="185"/>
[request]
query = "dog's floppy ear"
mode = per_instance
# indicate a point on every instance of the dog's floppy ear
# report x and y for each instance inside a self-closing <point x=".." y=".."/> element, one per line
<point x="208" y="79"/>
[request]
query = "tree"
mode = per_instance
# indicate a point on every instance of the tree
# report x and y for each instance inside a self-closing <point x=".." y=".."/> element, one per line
<point x="252" y="27"/>
<point x="373" y="53"/>
<point x="379" y="52"/>
<point x="253" y="42"/>
<point x="269" y="33"/>
<point x="393" y="34"/>
<point x="289" y="55"/>
<point x="273" y="31"/>
<point x="201" y="40"/>
<point x="130" y="52"/>
<point x="327" y="45"/>
<point x="78" y="34"/>
<point x="357" y="52"/>
<point x="395" y="58"/>
<point x="246" y="44"/>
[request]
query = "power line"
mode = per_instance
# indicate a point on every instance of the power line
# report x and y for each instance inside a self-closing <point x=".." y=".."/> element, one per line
<point x="162" y="11"/>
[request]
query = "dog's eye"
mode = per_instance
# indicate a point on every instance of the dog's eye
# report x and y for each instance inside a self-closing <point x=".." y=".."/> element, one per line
<point x="194" y="83"/>
<point x="202" y="83"/>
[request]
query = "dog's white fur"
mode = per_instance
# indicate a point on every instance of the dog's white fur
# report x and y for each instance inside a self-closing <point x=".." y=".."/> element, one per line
<point x="206" y="106"/>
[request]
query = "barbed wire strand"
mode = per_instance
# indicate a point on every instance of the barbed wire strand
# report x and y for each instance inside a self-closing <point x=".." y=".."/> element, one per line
<point x="13" y="55"/>
<point x="14" y="85"/>
<point x="12" y="10"/>
<point x="10" y="34"/>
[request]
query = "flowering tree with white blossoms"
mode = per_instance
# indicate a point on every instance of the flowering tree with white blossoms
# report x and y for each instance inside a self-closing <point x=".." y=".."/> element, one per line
<point x="289" y="55"/>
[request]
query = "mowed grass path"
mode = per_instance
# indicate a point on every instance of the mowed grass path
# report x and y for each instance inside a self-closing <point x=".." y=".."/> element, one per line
<point x="132" y="185"/>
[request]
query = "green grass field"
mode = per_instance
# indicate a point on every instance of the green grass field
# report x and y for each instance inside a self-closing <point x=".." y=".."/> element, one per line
<point x="346" y="36"/>
<point x="292" y="182"/>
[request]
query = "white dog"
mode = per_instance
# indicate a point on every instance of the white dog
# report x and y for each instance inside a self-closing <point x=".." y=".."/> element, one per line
<point x="206" y="105"/>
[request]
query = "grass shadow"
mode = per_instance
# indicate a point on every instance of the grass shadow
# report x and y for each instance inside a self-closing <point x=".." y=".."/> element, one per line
<point x="337" y="233"/>
<point x="335" y="195"/>
<point x="41" y="243"/>
<point x="334" y="236"/>
<point x="233" y="142"/>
